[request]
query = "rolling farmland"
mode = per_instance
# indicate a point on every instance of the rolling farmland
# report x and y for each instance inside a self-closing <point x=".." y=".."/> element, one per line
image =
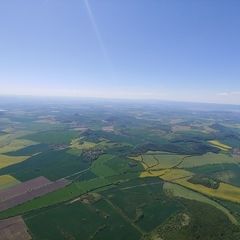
<point x="145" y="177"/>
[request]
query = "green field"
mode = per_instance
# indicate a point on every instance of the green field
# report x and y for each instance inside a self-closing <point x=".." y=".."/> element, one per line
<point x="53" y="137"/>
<point x="80" y="221"/>
<point x="163" y="160"/>
<point x="202" y="222"/>
<point x="229" y="173"/>
<point x="179" y="191"/>
<point x="51" y="164"/>
<point x="206" y="159"/>
<point x="30" y="150"/>
<point x="100" y="167"/>
<point x="140" y="203"/>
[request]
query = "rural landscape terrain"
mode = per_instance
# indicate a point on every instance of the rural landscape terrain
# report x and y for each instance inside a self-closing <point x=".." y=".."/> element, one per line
<point x="99" y="170"/>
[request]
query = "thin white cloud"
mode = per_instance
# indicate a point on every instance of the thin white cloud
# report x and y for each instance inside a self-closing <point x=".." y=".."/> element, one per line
<point x="223" y="94"/>
<point x="96" y="29"/>
<point x="229" y="94"/>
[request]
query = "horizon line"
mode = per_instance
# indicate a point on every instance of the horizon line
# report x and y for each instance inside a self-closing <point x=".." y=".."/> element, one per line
<point x="114" y="99"/>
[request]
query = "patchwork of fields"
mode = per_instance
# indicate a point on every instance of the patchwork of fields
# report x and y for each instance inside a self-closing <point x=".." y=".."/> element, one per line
<point x="147" y="177"/>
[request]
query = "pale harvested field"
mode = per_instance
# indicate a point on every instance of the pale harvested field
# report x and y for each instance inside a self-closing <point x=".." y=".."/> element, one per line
<point x="14" y="229"/>
<point x="108" y="128"/>
<point x="179" y="128"/>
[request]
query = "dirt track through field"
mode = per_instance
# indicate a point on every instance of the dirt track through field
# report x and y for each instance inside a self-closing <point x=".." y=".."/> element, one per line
<point x="120" y="212"/>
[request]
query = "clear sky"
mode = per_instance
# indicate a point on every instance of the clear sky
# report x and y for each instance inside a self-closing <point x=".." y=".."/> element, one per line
<point x="186" y="50"/>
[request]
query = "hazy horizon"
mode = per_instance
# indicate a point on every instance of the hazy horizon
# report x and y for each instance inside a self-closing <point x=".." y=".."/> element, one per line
<point x="195" y="105"/>
<point x="185" y="51"/>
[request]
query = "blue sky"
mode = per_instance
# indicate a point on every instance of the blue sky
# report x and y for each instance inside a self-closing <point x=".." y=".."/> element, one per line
<point x="184" y="50"/>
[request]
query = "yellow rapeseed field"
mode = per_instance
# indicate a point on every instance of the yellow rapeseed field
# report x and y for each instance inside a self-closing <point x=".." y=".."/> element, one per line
<point x="7" y="181"/>
<point x="220" y="145"/>
<point x="10" y="160"/>
<point x="181" y="176"/>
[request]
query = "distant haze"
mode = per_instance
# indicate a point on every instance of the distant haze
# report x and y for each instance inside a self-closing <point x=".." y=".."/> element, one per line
<point x="159" y="49"/>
